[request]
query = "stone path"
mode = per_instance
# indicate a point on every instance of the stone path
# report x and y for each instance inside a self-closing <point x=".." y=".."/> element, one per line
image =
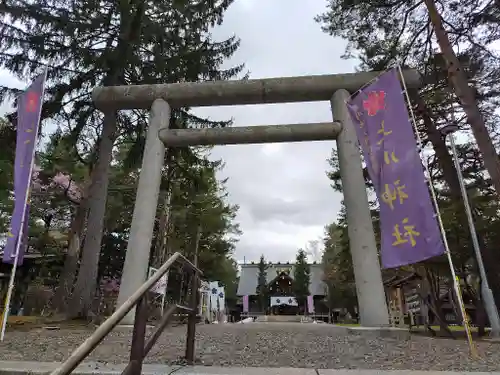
<point x="294" y="345"/>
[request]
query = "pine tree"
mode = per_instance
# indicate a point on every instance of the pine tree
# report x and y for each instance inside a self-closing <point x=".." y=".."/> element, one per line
<point x="197" y="198"/>
<point x="383" y="33"/>
<point x="301" y="277"/>
<point x="466" y="94"/>
<point x="262" y="291"/>
<point x="7" y="147"/>
<point x="59" y="158"/>
<point x="91" y="43"/>
<point x="338" y="272"/>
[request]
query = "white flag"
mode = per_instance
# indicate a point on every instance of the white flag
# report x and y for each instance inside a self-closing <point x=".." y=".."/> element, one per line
<point x="214" y="295"/>
<point x="161" y="285"/>
<point x="222" y="299"/>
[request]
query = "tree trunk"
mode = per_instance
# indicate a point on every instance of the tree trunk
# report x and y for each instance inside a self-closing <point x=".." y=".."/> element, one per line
<point x="160" y="249"/>
<point x="81" y="301"/>
<point x="480" y="314"/>
<point x="450" y="176"/>
<point x="130" y="32"/>
<point x="160" y="252"/>
<point x="68" y="274"/>
<point x="481" y="318"/>
<point x="444" y="158"/>
<point x="458" y="80"/>
<point x="432" y="286"/>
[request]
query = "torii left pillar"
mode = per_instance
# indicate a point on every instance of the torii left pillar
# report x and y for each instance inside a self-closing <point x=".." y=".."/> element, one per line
<point x="135" y="268"/>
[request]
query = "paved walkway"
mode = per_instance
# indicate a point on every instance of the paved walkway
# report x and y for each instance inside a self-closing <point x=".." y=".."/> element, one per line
<point x="88" y="368"/>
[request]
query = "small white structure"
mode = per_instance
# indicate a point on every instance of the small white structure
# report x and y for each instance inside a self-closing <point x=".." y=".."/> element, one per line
<point x="160" y="288"/>
<point x="212" y="305"/>
<point x="204" y="310"/>
<point x="217" y="302"/>
<point x="283" y="300"/>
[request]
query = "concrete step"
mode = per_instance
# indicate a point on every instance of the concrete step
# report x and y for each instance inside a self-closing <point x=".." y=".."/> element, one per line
<point x="283" y="319"/>
<point x="95" y="368"/>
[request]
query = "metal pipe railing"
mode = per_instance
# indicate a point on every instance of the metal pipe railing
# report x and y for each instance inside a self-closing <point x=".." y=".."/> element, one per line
<point x="138" y="337"/>
<point x="166" y="318"/>
<point x="107" y="326"/>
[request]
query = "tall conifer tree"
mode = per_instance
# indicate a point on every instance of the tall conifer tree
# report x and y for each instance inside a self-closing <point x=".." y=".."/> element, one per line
<point x="103" y="43"/>
<point x="301" y="277"/>
<point x="262" y="287"/>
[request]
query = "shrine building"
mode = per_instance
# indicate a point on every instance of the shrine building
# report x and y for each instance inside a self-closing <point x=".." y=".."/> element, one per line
<point x="282" y="300"/>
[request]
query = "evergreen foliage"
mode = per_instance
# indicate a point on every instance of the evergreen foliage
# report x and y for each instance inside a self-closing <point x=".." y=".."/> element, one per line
<point x="86" y="44"/>
<point x="301" y="277"/>
<point x="262" y="291"/>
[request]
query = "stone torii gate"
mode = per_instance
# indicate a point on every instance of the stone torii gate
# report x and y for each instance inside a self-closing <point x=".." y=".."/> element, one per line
<point x="160" y="98"/>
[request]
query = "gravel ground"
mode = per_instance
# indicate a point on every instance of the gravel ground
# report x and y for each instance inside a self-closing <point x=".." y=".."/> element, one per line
<point x="263" y="345"/>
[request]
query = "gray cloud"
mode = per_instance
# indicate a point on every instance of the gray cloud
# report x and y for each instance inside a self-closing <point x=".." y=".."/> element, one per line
<point x="6" y="79"/>
<point x="276" y="240"/>
<point x="282" y="189"/>
<point x="301" y="212"/>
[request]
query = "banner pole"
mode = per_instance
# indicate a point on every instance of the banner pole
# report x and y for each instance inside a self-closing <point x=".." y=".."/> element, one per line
<point x="456" y="283"/>
<point x="486" y="293"/>
<point x="20" y="235"/>
<point x="8" y="297"/>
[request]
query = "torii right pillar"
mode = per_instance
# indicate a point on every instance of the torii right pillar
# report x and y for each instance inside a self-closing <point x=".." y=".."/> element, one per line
<point x="372" y="304"/>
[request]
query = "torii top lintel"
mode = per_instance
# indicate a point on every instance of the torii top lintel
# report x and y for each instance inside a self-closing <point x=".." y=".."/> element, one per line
<point x="237" y="92"/>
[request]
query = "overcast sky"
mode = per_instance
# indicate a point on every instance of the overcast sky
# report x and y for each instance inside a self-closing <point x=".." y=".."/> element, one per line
<point x="284" y="195"/>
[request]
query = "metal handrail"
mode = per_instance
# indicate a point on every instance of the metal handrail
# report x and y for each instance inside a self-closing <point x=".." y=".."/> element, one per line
<point x="107" y="326"/>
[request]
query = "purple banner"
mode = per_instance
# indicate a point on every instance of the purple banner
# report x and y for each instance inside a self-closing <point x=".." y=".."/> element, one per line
<point x="28" y="118"/>
<point x="245" y="304"/>
<point x="310" y="304"/>
<point x="408" y="224"/>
